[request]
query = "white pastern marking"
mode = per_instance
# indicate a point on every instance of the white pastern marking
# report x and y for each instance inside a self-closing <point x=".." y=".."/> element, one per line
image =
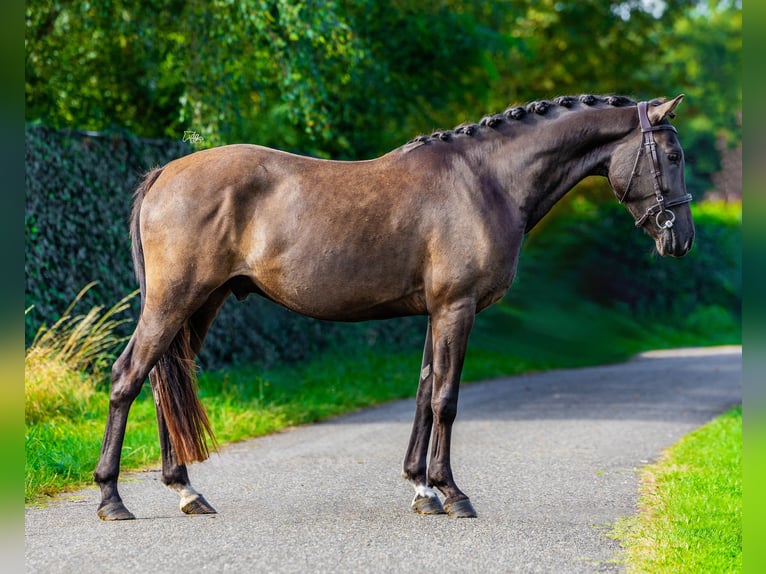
<point x="423" y="491"/>
<point x="186" y="492"/>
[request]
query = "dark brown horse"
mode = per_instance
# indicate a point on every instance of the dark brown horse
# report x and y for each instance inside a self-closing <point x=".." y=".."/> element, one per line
<point x="432" y="228"/>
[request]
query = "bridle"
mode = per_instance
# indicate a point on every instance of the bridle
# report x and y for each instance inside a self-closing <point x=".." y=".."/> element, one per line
<point x="664" y="217"/>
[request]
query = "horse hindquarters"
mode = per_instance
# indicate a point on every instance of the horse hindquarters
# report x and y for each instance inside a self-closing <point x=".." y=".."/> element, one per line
<point x="163" y="348"/>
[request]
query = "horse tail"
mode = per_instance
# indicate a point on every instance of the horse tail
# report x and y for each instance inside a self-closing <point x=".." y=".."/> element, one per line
<point x="174" y="381"/>
<point x="173" y="378"/>
<point x="135" y="229"/>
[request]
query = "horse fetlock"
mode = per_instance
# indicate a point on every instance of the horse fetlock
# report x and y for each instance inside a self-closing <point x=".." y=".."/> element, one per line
<point x="423" y="491"/>
<point x="415" y="472"/>
<point x="442" y="479"/>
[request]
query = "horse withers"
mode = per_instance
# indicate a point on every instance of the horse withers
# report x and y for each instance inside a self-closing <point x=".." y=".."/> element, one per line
<point x="432" y="228"/>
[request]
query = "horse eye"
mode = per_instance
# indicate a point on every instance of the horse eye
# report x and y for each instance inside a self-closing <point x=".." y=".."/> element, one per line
<point x="675" y="157"/>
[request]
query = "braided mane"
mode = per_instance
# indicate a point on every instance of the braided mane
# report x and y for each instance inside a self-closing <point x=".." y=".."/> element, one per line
<point x="518" y="112"/>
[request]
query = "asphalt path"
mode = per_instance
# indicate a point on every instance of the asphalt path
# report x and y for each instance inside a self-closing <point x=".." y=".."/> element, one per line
<point x="549" y="461"/>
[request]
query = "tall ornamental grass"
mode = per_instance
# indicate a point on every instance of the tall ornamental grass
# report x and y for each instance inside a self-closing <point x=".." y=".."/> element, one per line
<point x="67" y="361"/>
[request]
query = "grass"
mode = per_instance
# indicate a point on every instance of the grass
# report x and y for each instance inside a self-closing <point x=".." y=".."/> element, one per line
<point x="63" y="360"/>
<point x="690" y="507"/>
<point x="63" y="446"/>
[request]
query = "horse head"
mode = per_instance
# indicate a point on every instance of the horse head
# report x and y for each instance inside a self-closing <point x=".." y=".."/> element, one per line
<point x="647" y="175"/>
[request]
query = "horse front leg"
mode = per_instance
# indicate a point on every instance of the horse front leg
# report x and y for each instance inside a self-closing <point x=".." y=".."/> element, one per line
<point x="451" y="328"/>
<point x="414" y="468"/>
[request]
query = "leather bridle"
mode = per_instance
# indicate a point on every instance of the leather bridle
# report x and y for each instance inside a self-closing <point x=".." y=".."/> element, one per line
<point x="664" y="217"/>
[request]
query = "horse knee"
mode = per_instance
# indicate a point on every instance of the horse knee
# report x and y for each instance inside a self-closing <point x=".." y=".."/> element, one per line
<point x="445" y="408"/>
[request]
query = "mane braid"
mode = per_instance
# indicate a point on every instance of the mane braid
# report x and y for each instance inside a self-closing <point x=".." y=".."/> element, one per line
<point x="515" y="113"/>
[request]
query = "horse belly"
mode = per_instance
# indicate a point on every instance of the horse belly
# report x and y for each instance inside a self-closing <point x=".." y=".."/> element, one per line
<point x="342" y="289"/>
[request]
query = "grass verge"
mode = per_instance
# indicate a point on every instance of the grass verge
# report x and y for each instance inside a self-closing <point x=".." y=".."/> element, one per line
<point x="690" y="506"/>
<point x="62" y="450"/>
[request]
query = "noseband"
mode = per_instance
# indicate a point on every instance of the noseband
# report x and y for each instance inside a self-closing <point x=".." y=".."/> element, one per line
<point x="664" y="217"/>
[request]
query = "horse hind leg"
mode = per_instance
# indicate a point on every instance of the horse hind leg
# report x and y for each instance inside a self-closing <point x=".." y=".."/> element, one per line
<point x="161" y="348"/>
<point x="128" y="375"/>
<point x="174" y="474"/>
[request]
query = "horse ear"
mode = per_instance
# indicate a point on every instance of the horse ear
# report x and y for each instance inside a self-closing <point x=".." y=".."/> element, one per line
<point x="658" y="113"/>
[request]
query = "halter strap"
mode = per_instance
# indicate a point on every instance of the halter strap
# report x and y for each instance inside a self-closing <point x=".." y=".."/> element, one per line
<point x="643" y="120"/>
<point x="660" y="207"/>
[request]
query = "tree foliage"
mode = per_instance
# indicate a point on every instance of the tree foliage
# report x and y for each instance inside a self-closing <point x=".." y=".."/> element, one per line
<point x="705" y="62"/>
<point x="354" y="79"/>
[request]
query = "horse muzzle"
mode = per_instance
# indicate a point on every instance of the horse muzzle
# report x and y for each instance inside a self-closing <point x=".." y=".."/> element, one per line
<point x="671" y="242"/>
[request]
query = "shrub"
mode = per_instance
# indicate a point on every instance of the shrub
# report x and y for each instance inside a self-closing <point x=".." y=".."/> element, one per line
<point x="79" y="187"/>
<point x="598" y="253"/>
<point x="78" y="199"/>
<point x="65" y="361"/>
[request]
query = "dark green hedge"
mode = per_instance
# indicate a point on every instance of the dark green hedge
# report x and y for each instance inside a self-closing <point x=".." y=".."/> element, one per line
<point x="601" y="255"/>
<point x="79" y="188"/>
<point x="78" y="199"/>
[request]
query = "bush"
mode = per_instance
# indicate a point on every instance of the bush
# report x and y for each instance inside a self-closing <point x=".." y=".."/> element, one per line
<point x="65" y="362"/>
<point x="78" y="200"/>
<point x="597" y="252"/>
<point x="79" y="188"/>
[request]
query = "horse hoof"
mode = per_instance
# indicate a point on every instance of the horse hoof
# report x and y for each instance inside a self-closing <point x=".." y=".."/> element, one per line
<point x="427" y="505"/>
<point x="197" y="505"/>
<point x="461" y="508"/>
<point x="115" y="511"/>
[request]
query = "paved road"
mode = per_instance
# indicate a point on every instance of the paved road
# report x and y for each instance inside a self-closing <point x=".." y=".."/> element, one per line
<point x="548" y="459"/>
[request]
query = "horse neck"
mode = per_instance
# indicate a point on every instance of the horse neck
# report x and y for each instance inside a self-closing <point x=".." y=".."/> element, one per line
<point x="545" y="160"/>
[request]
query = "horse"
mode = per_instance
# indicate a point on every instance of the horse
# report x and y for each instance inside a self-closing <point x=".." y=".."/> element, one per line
<point x="432" y="228"/>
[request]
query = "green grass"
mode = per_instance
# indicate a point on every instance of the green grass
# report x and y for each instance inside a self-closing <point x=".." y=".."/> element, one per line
<point x="245" y="402"/>
<point x="62" y="452"/>
<point x="690" y="507"/>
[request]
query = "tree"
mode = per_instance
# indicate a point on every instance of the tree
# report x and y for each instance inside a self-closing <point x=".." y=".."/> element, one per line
<point x="704" y="60"/>
<point x="158" y="68"/>
<point x="352" y="79"/>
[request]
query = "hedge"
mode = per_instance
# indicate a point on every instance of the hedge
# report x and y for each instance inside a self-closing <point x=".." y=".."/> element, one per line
<point x="78" y="199"/>
<point x="79" y="188"/>
<point x="599" y="254"/>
